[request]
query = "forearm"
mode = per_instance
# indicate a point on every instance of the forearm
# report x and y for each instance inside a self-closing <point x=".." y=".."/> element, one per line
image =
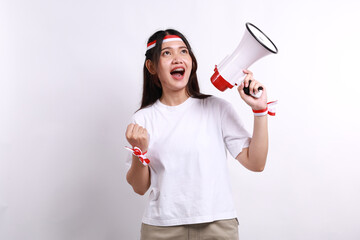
<point x="138" y="176"/>
<point x="258" y="148"/>
<point x="254" y="157"/>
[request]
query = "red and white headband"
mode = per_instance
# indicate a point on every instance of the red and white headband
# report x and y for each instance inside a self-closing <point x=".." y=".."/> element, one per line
<point x="168" y="38"/>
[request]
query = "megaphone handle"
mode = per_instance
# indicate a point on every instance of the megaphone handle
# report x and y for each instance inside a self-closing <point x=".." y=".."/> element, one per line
<point x="247" y="91"/>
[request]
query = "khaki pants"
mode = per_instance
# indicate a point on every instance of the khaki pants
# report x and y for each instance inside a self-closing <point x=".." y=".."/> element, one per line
<point x="218" y="230"/>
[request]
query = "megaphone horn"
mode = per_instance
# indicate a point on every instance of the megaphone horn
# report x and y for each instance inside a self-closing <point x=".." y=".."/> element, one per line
<point x="253" y="46"/>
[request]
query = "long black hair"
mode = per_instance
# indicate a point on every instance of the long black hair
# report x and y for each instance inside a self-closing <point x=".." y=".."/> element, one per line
<point x="152" y="90"/>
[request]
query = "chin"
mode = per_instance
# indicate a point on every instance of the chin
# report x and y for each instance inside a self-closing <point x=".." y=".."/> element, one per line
<point x="178" y="86"/>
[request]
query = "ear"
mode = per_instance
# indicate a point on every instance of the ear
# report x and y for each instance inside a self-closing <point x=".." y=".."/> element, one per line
<point x="150" y="67"/>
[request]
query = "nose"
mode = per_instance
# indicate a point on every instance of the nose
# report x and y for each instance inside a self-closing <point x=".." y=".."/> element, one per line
<point x="177" y="59"/>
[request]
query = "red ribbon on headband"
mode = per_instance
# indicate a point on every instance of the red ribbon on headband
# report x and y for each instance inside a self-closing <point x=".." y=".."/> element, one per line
<point x="270" y="109"/>
<point x="141" y="155"/>
<point x="167" y="38"/>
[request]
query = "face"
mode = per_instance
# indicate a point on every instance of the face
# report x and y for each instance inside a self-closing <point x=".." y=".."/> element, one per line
<point x="174" y="67"/>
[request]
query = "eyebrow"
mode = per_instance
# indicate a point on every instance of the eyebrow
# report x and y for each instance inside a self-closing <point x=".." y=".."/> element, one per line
<point x="173" y="48"/>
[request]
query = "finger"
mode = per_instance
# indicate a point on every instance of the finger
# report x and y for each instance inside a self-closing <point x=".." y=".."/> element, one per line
<point x="249" y="76"/>
<point x="256" y="87"/>
<point x="247" y="71"/>
<point x="135" y="132"/>
<point x="139" y="129"/>
<point x="129" y="130"/>
<point x="241" y="86"/>
<point x="241" y="90"/>
<point x="144" y="135"/>
<point x="144" y="131"/>
<point x="141" y="132"/>
<point x="252" y="85"/>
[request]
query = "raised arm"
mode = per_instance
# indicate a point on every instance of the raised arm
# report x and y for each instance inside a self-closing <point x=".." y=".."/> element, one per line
<point x="138" y="175"/>
<point x="254" y="157"/>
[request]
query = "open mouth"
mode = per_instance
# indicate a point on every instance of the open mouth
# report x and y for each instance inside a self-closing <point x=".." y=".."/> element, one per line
<point x="178" y="73"/>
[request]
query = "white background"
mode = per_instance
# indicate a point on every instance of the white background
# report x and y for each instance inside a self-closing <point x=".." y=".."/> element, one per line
<point x="71" y="77"/>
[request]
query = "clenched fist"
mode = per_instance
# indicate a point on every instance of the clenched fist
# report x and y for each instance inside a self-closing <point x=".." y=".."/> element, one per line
<point x="137" y="136"/>
<point x="254" y="103"/>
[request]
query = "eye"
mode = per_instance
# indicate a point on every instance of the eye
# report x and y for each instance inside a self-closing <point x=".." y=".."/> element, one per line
<point x="166" y="53"/>
<point x="185" y="51"/>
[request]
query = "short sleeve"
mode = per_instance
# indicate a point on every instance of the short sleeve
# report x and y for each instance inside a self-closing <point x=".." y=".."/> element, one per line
<point x="235" y="136"/>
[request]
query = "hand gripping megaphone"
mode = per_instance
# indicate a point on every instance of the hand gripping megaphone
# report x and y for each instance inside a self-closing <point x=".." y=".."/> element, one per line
<point x="253" y="46"/>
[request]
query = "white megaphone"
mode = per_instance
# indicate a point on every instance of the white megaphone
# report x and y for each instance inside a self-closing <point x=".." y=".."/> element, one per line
<point x="253" y="46"/>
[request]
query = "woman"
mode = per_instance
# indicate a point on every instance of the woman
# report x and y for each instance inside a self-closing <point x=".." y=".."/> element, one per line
<point x="186" y="134"/>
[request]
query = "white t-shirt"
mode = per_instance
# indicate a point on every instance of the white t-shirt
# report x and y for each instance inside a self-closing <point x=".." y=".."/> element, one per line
<point x="187" y="152"/>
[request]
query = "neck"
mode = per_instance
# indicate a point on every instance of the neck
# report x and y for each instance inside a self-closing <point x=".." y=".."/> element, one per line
<point x="174" y="98"/>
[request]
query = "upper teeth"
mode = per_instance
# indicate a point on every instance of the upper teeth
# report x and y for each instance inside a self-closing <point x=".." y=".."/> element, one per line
<point x="178" y="70"/>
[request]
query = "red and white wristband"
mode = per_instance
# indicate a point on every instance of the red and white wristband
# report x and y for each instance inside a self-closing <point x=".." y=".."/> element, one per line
<point x="270" y="109"/>
<point x="141" y="155"/>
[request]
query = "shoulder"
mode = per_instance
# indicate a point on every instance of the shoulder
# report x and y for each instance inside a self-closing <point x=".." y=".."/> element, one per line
<point x="143" y="111"/>
<point x="216" y="102"/>
<point x="140" y="116"/>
